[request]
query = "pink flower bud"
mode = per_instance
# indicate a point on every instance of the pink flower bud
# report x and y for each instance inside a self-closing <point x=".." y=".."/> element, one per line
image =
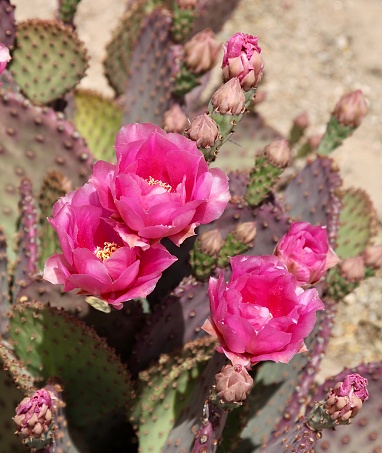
<point x="351" y="109"/>
<point x="245" y="232"/>
<point x="4" y="57"/>
<point x="233" y="384"/>
<point x="345" y="400"/>
<point x="187" y="4"/>
<point x="373" y="256"/>
<point x="34" y="414"/>
<point x="203" y="130"/>
<point x="301" y="121"/>
<point x="278" y="153"/>
<point x="306" y="252"/>
<point x="175" y="119"/>
<point x="211" y="242"/>
<point x="353" y="269"/>
<point x="201" y="52"/>
<point x="242" y="59"/>
<point x="229" y="98"/>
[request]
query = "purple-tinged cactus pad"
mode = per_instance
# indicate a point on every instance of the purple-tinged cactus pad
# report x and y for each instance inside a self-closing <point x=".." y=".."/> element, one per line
<point x="4" y="284"/>
<point x="213" y="14"/>
<point x="7" y="23"/>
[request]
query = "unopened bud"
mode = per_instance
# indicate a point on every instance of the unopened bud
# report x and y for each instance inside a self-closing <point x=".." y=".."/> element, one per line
<point x="229" y="98"/>
<point x="201" y="52"/>
<point x="211" y="242"/>
<point x="175" y="120"/>
<point x="301" y="121"/>
<point x="314" y="141"/>
<point x="353" y="269"/>
<point x="245" y="232"/>
<point x="351" y="109"/>
<point x="278" y="153"/>
<point x="187" y="4"/>
<point x="203" y="130"/>
<point x="233" y="384"/>
<point x="373" y="256"/>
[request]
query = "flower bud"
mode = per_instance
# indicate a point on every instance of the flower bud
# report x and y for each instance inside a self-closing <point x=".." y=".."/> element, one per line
<point x="245" y="232"/>
<point x="242" y="59"/>
<point x="233" y="384"/>
<point x="34" y="414"/>
<point x="201" y="52"/>
<point x="4" y="57"/>
<point x="351" y="109"/>
<point x="373" y="256"/>
<point x="345" y="400"/>
<point x="211" y="242"/>
<point x="175" y="119"/>
<point x="187" y="4"/>
<point x="229" y="98"/>
<point x="301" y="121"/>
<point x="203" y="130"/>
<point x="278" y="153"/>
<point x="353" y="269"/>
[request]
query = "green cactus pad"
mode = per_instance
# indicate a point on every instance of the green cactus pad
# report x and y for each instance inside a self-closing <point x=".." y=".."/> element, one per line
<point x="67" y="10"/>
<point x="312" y="196"/>
<point x="118" y="51"/>
<point x="98" y="120"/>
<point x="34" y="141"/>
<point x="149" y="86"/>
<point x="334" y="135"/>
<point x="7" y="23"/>
<point x="48" y="60"/>
<point x="183" y="22"/>
<point x="53" y="343"/>
<point x="164" y="391"/>
<point x="357" y="223"/>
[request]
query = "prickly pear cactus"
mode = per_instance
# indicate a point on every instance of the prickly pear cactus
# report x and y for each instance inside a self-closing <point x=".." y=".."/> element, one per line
<point x="7" y="23"/>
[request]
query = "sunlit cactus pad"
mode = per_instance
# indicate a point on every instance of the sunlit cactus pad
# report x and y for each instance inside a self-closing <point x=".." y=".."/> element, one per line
<point x="48" y="61"/>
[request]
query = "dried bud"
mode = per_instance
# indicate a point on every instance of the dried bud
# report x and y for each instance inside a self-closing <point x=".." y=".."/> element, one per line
<point x="201" y="52"/>
<point x="34" y="414"/>
<point x="345" y="400"/>
<point x="353" y="269"/>
<point x="242" y="59"/>
<point x="203" y="130"/>
<point x="233" y="384"/>
<point x="373" y="256"/>
<point x="229" y="98"/>
<point x="175" y="119"/>
<point x="4" y="57"/>
<point x="278" y="153"/>
<point x="211" y="242"/>
<point x="245" y="232"/>
<point x="351" y="109"/>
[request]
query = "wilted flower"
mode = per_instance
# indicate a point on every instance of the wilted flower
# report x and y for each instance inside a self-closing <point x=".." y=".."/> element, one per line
<point x="201" y="51"/>
<point x="95" y="259"/>
<point x="261" y="313"/>
<point x="306" y="252"/>
<point x="351" y="109"/>
<point x="229" y="98"/>
<point x="160" y="187"/>
<point x="4" y="57"/>
<point x="242" y="59"/>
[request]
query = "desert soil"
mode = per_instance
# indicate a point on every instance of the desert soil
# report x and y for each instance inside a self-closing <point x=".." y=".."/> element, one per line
<point x="314" y="51"/>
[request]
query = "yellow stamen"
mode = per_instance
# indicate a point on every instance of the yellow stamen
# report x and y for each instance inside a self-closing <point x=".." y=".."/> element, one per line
<point x="158" y="182"/>
<point x="106" y="252"/>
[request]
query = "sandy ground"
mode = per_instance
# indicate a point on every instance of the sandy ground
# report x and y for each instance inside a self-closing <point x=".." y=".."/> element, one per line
<point x="314" y="51"/>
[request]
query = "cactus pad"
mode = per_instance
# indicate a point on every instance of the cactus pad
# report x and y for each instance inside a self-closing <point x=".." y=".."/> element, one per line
<point x="4" y="284"/>
<point x="98" y="120"/>
<point x="48" y="60"/>
<point x="213" y="14"/>
<point x="7" y="23"/>
<point x="47" y="340"/>
<point x="67" y="10"/>
<point x="357" y="223"/>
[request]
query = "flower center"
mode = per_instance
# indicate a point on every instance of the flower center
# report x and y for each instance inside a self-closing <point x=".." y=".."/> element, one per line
<point x="107" y="250"/>
<point x="158" y="182"/>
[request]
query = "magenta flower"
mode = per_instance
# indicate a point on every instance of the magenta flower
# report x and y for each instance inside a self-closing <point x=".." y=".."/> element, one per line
<point x="306" y="252"/>
<point x="160" y="187"/>
<point x="95" y="259"/>
<point x="242" y="59"/>
<point x="4" y="57"/>
<point x="261" y="314"/>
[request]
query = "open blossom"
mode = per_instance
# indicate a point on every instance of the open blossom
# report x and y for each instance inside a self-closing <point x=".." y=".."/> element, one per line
<point x="160" y="187"/>
<point x="306" y="252"/>
<point x="95" y="259"/>
<point x="261" y="313"/>
<point x="4" y="57"/>
<point x="242" y="59"/>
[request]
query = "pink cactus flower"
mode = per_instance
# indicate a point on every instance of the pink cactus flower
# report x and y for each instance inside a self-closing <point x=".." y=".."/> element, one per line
<point x="261" y="314"/>
<point x="4" y="57"/>
<point x="160" y="187"/>
<point x="95" y="259"/>
<point x="306" y="252"/>
<point x="242" y="59"/>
